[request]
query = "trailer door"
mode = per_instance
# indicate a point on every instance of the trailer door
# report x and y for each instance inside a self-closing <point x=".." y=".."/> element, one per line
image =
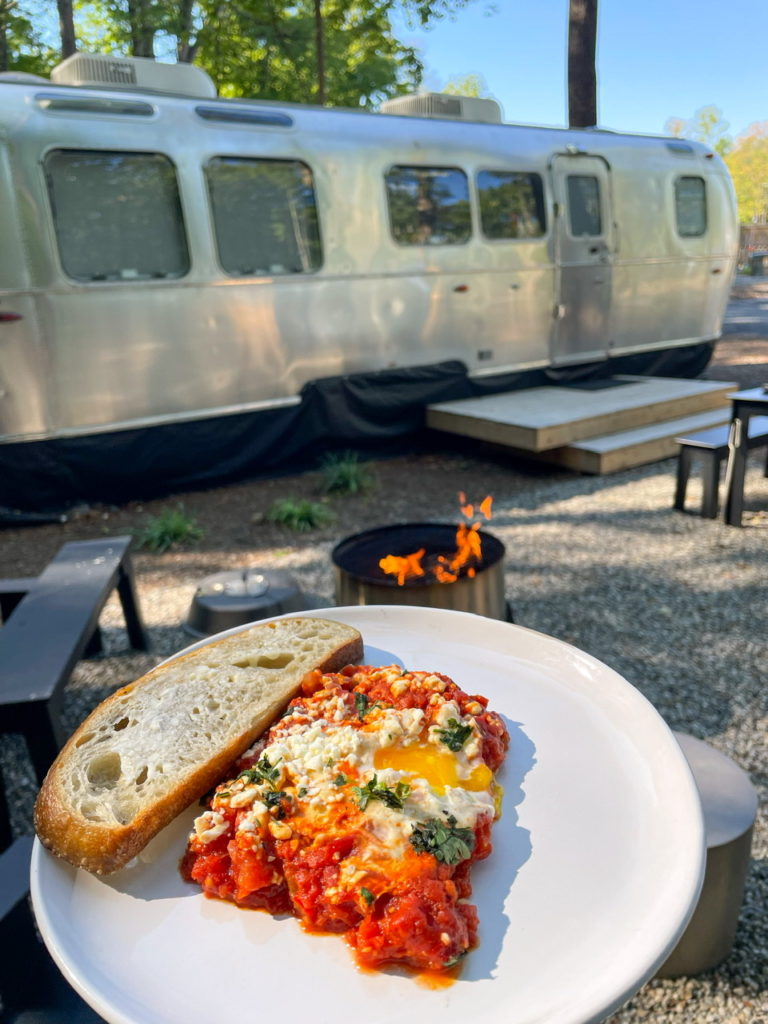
<point x="584" y="251"/>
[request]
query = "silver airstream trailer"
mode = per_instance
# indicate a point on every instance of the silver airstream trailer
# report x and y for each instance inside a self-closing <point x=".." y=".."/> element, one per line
<point x="193" y="287"/>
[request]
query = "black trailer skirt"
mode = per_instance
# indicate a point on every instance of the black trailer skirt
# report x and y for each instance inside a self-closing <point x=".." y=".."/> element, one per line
<point x="49" y="476"/>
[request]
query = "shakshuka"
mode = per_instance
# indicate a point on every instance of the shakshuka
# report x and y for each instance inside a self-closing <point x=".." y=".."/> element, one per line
<point x="361" y="811"/>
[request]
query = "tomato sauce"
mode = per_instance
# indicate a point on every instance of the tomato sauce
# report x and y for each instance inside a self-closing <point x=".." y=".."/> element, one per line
<point x="386" y="864"/>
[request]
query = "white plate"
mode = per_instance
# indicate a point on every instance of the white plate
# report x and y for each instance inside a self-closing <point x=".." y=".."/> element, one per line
<point x="597" y="864"/>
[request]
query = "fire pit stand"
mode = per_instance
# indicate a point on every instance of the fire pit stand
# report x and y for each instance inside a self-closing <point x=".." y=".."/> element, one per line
<point x="360" y="580"/>
<point x="233" y="598"/>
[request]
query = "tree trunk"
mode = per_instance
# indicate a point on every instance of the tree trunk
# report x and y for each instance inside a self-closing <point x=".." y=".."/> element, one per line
<point x="5" y="10"/>
<point x="320" y="54"/>
<point x="66" y="28"/>
<point x="3" y="44"/>
<point x="142" y="30"/>
<point x="185" y="46"/>
<point x="582" y="77"/>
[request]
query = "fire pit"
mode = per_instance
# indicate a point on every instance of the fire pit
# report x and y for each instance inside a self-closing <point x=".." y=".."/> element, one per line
<point x="422" y="569"/>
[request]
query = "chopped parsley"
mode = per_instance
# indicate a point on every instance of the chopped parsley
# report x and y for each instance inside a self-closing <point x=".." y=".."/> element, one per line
<point x="262" y="771"/>
<point x="274" y="801"/>
<point x="361" y="705"/>
<point x="372" y="790"/>
<point x="443" y="840"/>
<point x="273" y="798"/>
<point x="456" y="735"/>
<point x="456" y="959"/>
<point x="367" y="895"/>
<point x="340" y="780"/>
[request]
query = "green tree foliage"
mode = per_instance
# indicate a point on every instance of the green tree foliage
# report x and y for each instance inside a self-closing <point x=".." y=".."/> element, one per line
<point x="706" y="125"/>
<point x="340" y="52"/>
<point x="746" y="157"/>
<point x="22" y="47"/>
<point x="467" y="85"/>
<point x="141" y="28"/>
<point x="748" y="164"/>
<point x="261" y="48"/>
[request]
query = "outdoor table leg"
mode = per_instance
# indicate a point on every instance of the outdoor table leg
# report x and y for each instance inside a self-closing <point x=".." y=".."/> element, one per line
<point x="6" y="833"/>
<point x="736" y="472"/>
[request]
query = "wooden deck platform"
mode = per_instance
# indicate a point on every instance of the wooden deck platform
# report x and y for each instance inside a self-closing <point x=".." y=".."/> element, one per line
<point x="626" y="421"/>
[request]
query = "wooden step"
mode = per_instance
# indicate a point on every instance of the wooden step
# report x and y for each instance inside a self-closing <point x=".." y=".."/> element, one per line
<point x="546" y="418"/>
<point x="611" y="453"/>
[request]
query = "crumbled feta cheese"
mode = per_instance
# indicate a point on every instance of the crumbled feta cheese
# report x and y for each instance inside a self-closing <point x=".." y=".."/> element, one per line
<point x="244" y="797"/>
<point x="210" y="826"/>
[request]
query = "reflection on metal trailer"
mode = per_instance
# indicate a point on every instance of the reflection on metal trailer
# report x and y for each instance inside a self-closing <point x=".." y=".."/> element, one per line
<point x="265" y="277"/>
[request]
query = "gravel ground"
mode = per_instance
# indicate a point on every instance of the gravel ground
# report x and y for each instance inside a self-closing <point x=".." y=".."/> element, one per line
<point x="673" y="602"/>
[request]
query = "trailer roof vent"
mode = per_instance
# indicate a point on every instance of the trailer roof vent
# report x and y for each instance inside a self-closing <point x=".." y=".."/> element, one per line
<point x="444" y="105"/>
<point x="99" y="70"/>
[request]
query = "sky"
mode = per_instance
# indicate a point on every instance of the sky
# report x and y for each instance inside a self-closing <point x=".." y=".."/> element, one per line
<point x="656" y="59"/>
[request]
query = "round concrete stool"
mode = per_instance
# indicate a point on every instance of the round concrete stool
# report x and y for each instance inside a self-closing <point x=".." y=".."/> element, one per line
<point x="729" y="804"/>
<point x="242" y="595"/>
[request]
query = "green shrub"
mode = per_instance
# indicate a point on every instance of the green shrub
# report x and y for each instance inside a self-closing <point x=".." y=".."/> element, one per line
<point x="168" y="529"/>
<point x="343" y="473"/>
<point x="301" y="515"/>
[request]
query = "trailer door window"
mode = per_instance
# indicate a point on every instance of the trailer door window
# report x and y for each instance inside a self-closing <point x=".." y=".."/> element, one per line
<point x="511" y="204"/>
<point x="690" y="207"/>
<point x="584" y="215"/>
<point x="264" y="215"/>
<point x="428" y="205"/>
<point x="117" y="215"/>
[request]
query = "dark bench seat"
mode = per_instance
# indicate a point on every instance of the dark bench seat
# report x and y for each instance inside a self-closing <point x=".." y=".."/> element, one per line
<point x="50" y="628"/>
<point x="711" y="446"/>
<point x="11" y="593"/>
<point x="47" y="623"/>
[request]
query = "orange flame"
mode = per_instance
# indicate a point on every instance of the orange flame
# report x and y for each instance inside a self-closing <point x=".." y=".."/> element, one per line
<point x="403" y="568"/>
<point x="448" y="567"/>
<point x="468" y="511"/>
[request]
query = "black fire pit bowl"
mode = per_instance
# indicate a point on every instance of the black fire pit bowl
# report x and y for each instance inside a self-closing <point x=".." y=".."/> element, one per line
<point x="360" y="580"/>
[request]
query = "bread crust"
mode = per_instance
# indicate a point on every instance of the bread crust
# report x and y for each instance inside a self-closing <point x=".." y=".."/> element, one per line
<point x="105" y="847"/>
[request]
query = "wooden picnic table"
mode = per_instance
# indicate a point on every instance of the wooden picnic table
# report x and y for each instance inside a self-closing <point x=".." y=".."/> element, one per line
<point x="744" y="405"/>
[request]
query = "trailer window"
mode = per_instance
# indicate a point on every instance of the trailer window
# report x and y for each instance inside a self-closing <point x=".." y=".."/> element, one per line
<point x="511" y="204"/>
<point x="117" y="215"/>
<point x="690" y="207"/>
<point x="264" y="215"/>
<point x="584" y="205"/>
<point x="428" y="205"/>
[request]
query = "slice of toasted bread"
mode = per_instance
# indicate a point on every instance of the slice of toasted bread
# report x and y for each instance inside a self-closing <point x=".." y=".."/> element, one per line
<point x="160" y="743"/>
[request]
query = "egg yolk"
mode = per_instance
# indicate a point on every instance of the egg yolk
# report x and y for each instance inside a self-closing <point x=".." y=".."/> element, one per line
<point x="438" y="767"/>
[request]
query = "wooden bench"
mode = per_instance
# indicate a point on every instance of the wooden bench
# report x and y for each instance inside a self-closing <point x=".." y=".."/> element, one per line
<point x="711" y="447"/>
<point x="50" y="627"/>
